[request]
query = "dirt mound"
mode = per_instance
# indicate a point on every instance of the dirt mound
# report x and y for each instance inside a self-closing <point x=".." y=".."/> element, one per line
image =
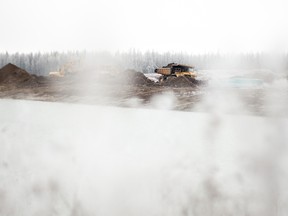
<point x="183" y="81"/>
<point x="137" y="78"/>
<point x="10" y="74"/>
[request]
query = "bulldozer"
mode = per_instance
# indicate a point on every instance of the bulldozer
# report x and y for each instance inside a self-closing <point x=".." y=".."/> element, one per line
<point x="68" y="68"/>
<point x="174" y="69"/>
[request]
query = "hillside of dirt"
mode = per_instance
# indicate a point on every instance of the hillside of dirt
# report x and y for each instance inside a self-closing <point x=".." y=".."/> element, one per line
<point x="10" y="74"/>
<point x="137" y="78"/>
<point x="183" y="81"/>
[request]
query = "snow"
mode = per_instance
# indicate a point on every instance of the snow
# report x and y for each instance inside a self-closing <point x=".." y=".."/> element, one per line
<point x="64" y="159"/>
<point x="153" y="76"/>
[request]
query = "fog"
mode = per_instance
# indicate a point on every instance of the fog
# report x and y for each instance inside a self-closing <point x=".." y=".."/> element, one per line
<point x="64" y="159"/>
<point x="226" y="156"/>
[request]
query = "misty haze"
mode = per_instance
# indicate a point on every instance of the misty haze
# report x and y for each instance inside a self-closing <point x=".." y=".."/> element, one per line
<point x="131" y="108"/>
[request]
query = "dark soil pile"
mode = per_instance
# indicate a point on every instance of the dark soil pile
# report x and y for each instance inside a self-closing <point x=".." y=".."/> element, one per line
<point x="137" y="78"/>
<point x="10" y="74"/>
<point x="182" y="81"/>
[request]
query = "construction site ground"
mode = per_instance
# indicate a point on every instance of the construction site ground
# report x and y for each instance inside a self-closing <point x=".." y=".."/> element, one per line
<point x="125" y="95"/>
<point x="134" y="89"/>
<point x="129" y="89"/>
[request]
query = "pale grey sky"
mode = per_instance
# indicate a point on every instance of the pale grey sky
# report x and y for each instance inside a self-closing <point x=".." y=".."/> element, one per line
<point x="192" y="26"/>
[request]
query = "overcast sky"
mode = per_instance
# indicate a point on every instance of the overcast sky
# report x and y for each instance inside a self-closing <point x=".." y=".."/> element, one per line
<point x="192" y="26"/>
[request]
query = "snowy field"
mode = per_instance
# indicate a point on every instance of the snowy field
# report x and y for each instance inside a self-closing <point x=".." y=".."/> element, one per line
<point x="65" y="159"/>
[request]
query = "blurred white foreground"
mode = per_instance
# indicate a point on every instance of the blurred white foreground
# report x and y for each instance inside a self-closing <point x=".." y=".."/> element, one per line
<point x="64" y="159"/>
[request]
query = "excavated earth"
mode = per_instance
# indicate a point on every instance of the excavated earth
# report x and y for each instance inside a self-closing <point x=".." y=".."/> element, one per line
<point x="11" y="75"/>
<point x="127" y="88"/>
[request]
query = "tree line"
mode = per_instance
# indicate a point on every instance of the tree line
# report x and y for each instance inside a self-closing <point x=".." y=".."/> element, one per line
<point x="146" y="62"/>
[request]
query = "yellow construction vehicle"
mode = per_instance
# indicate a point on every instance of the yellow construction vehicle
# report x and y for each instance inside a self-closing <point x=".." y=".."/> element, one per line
<point x="174" y="69"/>
<point x="67" y="69"/>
